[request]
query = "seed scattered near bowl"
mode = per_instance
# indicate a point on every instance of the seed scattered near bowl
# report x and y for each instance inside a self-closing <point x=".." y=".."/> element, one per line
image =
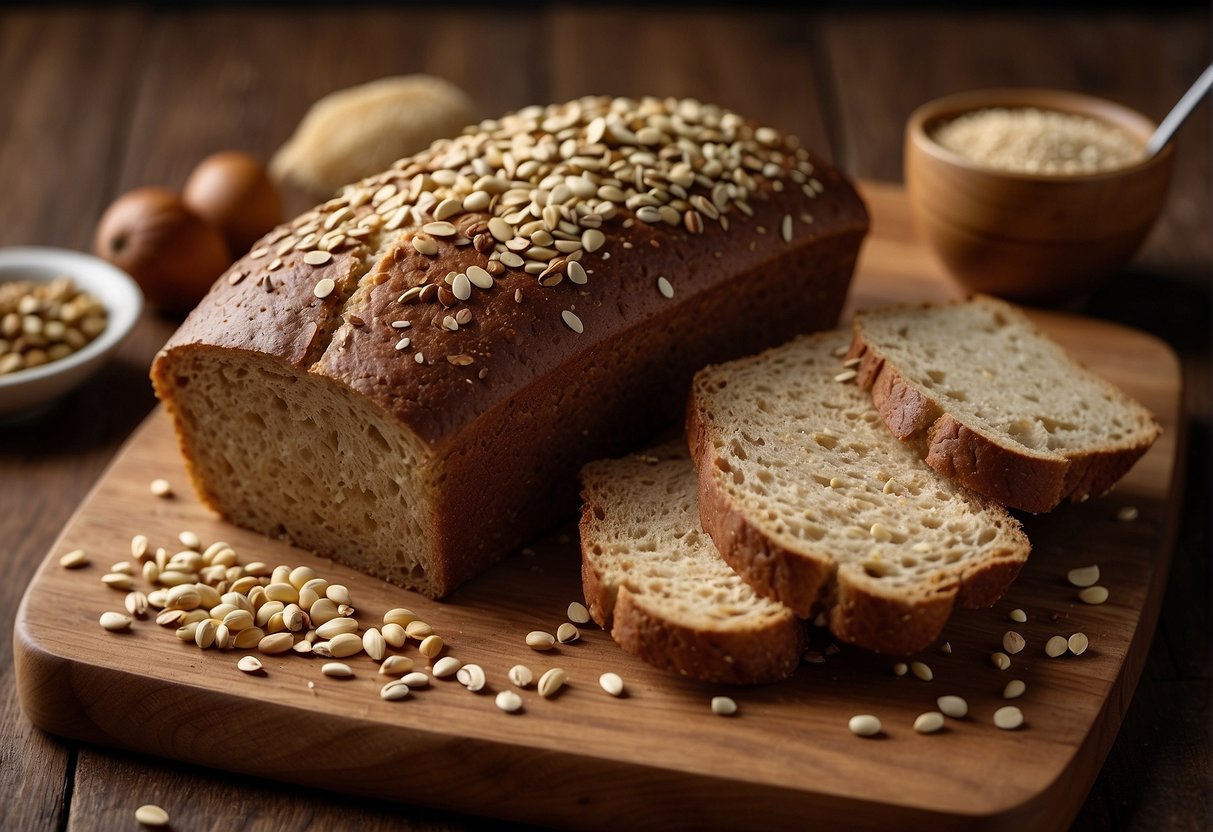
<point x="151" y="815"/>
<point x="1012" y="642"/>
<point x="431" y="646"/>
<point x="567" y="633"/>
<point x="1083" y="576"/>
<point x="551" y="682"/>
<point x="446" y="666"/>
<point x="539" y="640"/>
<point x="1018" y="616"/>
<point x="611" y="683"/>
<point x="864" y="725"/>
<point x="74" y="559"/>
<point x="509" y="701"/>
<point x="394" y="691"/>
<point x="723" y="706"/>
<point x="396" y="665"/>
<point x="900" y="669"/>
<point x="337" y="670"/>
<point x="115" y="621"/>
<point x="1056" y="646"/>
<point x="249" y="664"/>
<point x="1094" y="595"/>
<point x="1078" y="643"/>
<point x="921" y="671"/>
<point x="578" y="613"/>
<point x="929" y="722"/>
<point x="1008" y="718"/>
<point x="471" y="676"/>
<point x="954" y="706"/>
<point x="521" y="675"/>
<point x="1127" y="514"/>
<point x="1014" y="689"/>
<point x="416" y="679"/>
<point x="161" y="488"/>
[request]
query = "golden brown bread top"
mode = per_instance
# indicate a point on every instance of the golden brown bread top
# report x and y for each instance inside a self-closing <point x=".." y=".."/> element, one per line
<point x="470" y="270"/>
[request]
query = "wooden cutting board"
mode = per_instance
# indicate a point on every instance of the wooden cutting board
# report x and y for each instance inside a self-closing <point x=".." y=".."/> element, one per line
<point x="656" y="757"/>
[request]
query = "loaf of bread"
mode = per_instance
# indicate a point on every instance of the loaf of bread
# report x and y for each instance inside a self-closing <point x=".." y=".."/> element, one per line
<point x="409" y="377"/>
<point x="654" y="580"/>
<point x="817" y="505"/>
<point x="990" y="401"/>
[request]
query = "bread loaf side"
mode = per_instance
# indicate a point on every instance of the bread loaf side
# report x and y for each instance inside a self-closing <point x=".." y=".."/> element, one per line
<point x="409" y="376"/>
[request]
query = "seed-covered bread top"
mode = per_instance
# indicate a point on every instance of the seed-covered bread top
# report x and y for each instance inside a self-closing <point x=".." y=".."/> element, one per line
<point x="653" y="577"/>
<point x="442" y="286"/>
<point x="811" y="499"/>
<point x="993" y="402"/>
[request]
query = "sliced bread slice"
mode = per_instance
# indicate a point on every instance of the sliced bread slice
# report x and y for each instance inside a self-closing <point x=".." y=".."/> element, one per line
<point x="653" y="578"/>
<point x="815" y="504"/>
<point x="993" y="403"/>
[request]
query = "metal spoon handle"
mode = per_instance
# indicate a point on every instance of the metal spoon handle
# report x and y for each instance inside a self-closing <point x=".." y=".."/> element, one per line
<point x="1180" y="112"/>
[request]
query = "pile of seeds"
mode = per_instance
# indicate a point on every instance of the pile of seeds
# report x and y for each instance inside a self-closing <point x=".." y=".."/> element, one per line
<point x="547" y="191"/>
<point x="43" y="321"/>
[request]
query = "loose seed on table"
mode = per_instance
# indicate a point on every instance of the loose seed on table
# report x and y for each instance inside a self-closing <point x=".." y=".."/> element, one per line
<point x="323" y="611"/>
<point x="302" y="647"/>
<point x="723" y="706"/>
<point x="953" y="706"/>
<point x="864" y="725"/>
<point x="416" y="679"/>
<point x="900" y="669"/>
<point x="539" y="640"/>
<point x="74" y="559"/>
<point x="922" y="671"/>
<point x="1078" y="644"/>
<point x="394" y="635"/>
<point x="1094" y="595"/>
<point x="521" y="675"/>
<point x="246" y="639"/>
<point x="161" y="488"/>
<point x="1014" y="689"/>
<point x="446" y="666"/>
<point x="344" y="645"/>
<point x="190" y="540"/>
<point x="471" y="676"/>
<point x="430" y="646"/>
<point x="928" y="723"/>
<point x="509" y="701"/>
<point x="151" y="815"/>
<point x="1018" y="616"/>
<point x="300" y="575"/>
<point x="337" y="670"/>
<point x="336" y="626"/>
<point x="1056" y="646"/>
<point x="338" y="594"/>
<point x="551" y="682"/>
<point x="276" y="643"/>
<point x="115" y="621"/>
<point x="116" y="580"/>
<point x="567" y="633"/>
<point x="394" y="691"/>
<point x="418" y="630"/>
<point x="578" y="613"/>
<point x="1000" y="660"/>
<point x="204" y="633"/>
<point x="136" y="604"/>
<point x="1008" y="718"/>
<point x="611" y="683"/>
<point x="1012" y="642"/>
<point x="1127" y="514"/>
<point x="1083" y="576"/>
<point x="374" y="644"/>
<point x="249" y="664"/>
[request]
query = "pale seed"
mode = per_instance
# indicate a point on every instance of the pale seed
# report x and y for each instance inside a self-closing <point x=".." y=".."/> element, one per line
<point x="864" y="725"/>
<point x="953" y="706"/>
<point x="1018" y="616"/>
<point x="1127" y="514"/>
<point x="567" y="633"/>
<point x="399" y="616"/>
<point x="1012" y="642"/>
<point x="374" y="644"/>
<point x="922" y="671"/>
<point x="115" y="621"/>
<point x="136" y="604"/>
<point x="446" y="666"/>
<point x="396" y="665"/>
<point x="416" y="679"/>
<point x="394" y="635"/>
<point x="151" y="815"/>
<point x="324" y="287"/>
<point x="928" y="723"/>
<point x="276" y="643"/>
<point x="300" y="575"/>
<point x="249" y="664"/>
<point x="345" y="644"/>
<point x="572" y="321"/>
<point x="1056" y="646"/>
<point x="394" y="691"/>
<point x="116" y="580"/>
<point x="1078" y="644"/>
<point x="509" y="701"/>
<point x="665" y="287"/>
<point x="900" y="669"/>
<point x="239" y="620"/>
<point x="335" y="627"/>
<point x="418" y="630"/>
<point x="338" y="594"/>
<point x="161" y="488"/>
<point x="471" y="676"/>
<point x="1008" y="718"/>
<point x="74" y="559"/>
<point x="245" y="639"/>
<point x="611" y="683"/>
<point x="204" y="633"/>
<point x="578" y="613"/>
<point x="1000" y="660"/>
<point x="430" y="646"/>
<point x="551" y="682"/>
<point x="1083" y="576"/>
<point x="723" y="706"/>
<point x="337" y="670"/>
<point x="1014" y="689"/>
<point x="846" y="375"/>
<point x="539" y="640"/>
<point x="190" y="540"/>
<point x="521" y="675"/>
<point x="1094" y="595"/>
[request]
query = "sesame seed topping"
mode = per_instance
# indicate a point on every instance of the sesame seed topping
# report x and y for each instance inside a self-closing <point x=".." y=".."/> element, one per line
<point x="401" y="324"/>
<point x="664" y="286"/>
<point x="324" y="288"/>
<point x="785" y="228"/>
<point x="258" y="253"/>
<point x="572" y="321"/>
<point x="577" y="273"/>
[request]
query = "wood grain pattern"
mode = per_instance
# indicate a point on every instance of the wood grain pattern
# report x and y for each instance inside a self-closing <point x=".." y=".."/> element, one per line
<point x="658" y="757"/>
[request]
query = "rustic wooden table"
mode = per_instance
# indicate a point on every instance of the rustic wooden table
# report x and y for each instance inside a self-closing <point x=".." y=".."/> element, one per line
<point x="93" y="103"/>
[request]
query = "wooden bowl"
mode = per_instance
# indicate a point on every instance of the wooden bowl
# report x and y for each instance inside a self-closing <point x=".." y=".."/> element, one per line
<point x="1034" y="238"/>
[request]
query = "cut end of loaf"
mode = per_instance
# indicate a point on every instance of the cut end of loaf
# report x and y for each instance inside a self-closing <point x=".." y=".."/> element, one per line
<point x="336" y="482"/>
<point x="653" y="577"/>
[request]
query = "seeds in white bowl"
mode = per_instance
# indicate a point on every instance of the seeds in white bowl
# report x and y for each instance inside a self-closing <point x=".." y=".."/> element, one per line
<point x="161" y="488"/>
<point x="74" y="559"/>
<point x="509" y="701"/>
<point x="337" y="670"/>
<point x="578" y="613"/>
<point x="954" y="706"/>
<point x="723" y="706"/>
<point x="1083" y="576"/>
<point x="521" y="675"/>
<point x="471" y="676"/>
<point x="115" y="621"/>
<point x="1012" y="642"/>
<point x="1078" y="643"/>
<point x="921" y="671"/>
<point x="611" y="683"/>
<point x="1014" y="689"/>
<point x="151" y="815"/>
<point x="1094" y="595"/>
<point x="539" y="640"/>
<point x="446" y="666"/>
<point x="394" y="691"/>
<point x="864" y="725"/>
<point x="249" y="664"/>
<point x="551" y="682"/>
<point x="929" y="722"/>
<point x="1008" y="718"/>
<point x="1056" y="646"/>
<point x="567" y="633"/>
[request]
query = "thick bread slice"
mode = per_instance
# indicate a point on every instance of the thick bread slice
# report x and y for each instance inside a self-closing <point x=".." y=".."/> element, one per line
<point x="817" y="505"/>
<point x="654" y="579"/>
<point x="993" y="403"/>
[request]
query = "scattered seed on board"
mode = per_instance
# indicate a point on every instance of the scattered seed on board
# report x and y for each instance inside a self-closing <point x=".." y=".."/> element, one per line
<point x="136" y="604"/>
<point x="572" y="321"/>
<point x="115" y="621"/>
<point x="1083" y="576"/>
<point x="539" y="640"/>
<point x="446" y="666"/>
<point x="1127" y="514"/>
<point x="396" y="665"/>
<point x="922" y="671"/>
<point x="151" y="815"/>
<point x="611" y="683"/>
<point x="1018" y="616"/>
<point x="430" y="646"/>
<point x="337" y="670"/>
<point x="929" y="722"/>
<point x="1056" y="646"/>
<point x="116" y="580"/>
<point x="374" y="644"/>
<point x="1008" y="718"/>
<point x="276" y="643"/>
<point x="394" y="691"/>
<point x="418" y="630"/>
<point x="74" y="559"/>
<point x="551" y="682"/>
<point x="1012" y="642"/>
<point x="1000" y="660"/>
<point x="567" y="633"/>
<point x="864" y="725"/>
<point x="1094" y="595"/>
<point x="1078" y="644"/>
<point x="578" y="613"/>
<point x="723" y="706"/>
<point x="190" y="540"/>
<point x="1014" y="689"/>
<point x="249" y="664"/>
<point x="161" y="488"/>
<point x="416" y="679"/>
<point x="471" y="676"/>
<point x="946" y="648"/>
<point x="521" y="675"/>
<point x="900" y="669"/>
<point x="509" y="701"/>
<point x="344" y="645"/>
<point x="953" y="706"/>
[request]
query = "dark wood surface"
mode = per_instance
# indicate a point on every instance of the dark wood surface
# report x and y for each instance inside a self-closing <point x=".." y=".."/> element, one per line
<point x="95" y="102"/>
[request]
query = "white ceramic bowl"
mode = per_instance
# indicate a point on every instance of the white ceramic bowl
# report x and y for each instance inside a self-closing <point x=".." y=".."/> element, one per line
<point x="26" y="390"/>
